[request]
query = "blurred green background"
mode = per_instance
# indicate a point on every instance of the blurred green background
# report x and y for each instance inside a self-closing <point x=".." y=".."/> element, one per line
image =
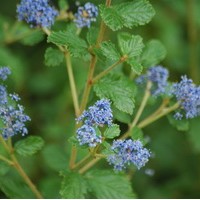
<point x="46" y="96"/>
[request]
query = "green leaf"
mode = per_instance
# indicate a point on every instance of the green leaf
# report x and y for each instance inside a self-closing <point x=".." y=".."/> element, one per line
<point x="137" y="12"/>
<point x="112" y="131"/>
<point x="50" y="186"/>
<point x="106" y="184"/>
<point x="14" y="188"/>
<point x="33" y="37"/>
<point x="76" y="46"/>
<point x="109" y="50"/>
<point x="137" y="134"/>
<point x="4" y="168"/>
<point x="100" y="55"/>
<point x="127" y="14"/>
<point x="73" y="186"/>
<point x="107" y="150"/>
<point x="106" y="145"/>
<point x="29" y="146"/>
<point x="135" y="66"/>
<point x="92" y="35"/>
<point x="55" y="157"/>
<point x="180" y="125"/>
<point x="119" y="89"/>
<point x="130" y="45"/>
<point x="111" y="17"/>
<point x="53" y="57"/>
<point x="121" y="116"/>
<point x="97" y="131"/>
<point x="153" y="53"/>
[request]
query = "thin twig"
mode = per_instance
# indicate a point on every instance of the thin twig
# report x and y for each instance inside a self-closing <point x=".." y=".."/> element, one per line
<point x="89" y="165"/>
<point x="154" y="117"/>
<point x="88" y="83"/>
<point x="106" y="71"/>
<point x="93" y="61"/>
<point x="6" y="160"/>
<point x="140" y="110"/>
<point x="72" y="84"/>
<point x="81" y="162"/>
<point x="25" y="177"/>
<point x="73" y="157"/>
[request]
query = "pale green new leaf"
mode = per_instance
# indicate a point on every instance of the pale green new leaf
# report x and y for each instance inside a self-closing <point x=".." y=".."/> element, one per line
<point x="105" y="184"/>
<point x="29" y="145"/>
<point x="109" y="50"/>
<point x="119" y="89"/>
<point x="76" y="46"/>
<point x="130" y="45"/>
<point x="53" y="57"/>
<point x="107" y="151"/>
<point x="112" y="131"/>
<point x="153" y="53"/>
<point x="73" y="186"/>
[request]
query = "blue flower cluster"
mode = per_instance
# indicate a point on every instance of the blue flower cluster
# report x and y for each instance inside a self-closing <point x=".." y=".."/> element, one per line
<point x="11" y="113"/>
<point x="85" y="15"/>
<point x="188" y="94"/>
<point x="158" y="76"/>
<point x="87" y="135"/>
<point x="126" y="152"/>
<point x="36" y="13"/>
<point x="99" y="114"/>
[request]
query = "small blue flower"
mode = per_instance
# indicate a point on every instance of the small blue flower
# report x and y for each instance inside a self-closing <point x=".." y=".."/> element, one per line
<point x="188" y="94"/>
<point x="4" y="72"/>
<point x="85" y="15"/>
<point x="158" y="76"/>
<point x="3" y="95"/>
<point x="86" y="135"/>
<point x="15" y="97"/>
<point x="11" y="114"/>
<point x="126" y="152"/>
<point x="99" y="114"/>
<point x="36" y="13"/>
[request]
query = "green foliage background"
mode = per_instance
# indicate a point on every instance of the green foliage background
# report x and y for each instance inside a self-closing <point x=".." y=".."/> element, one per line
<point x="46" y="96"/>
